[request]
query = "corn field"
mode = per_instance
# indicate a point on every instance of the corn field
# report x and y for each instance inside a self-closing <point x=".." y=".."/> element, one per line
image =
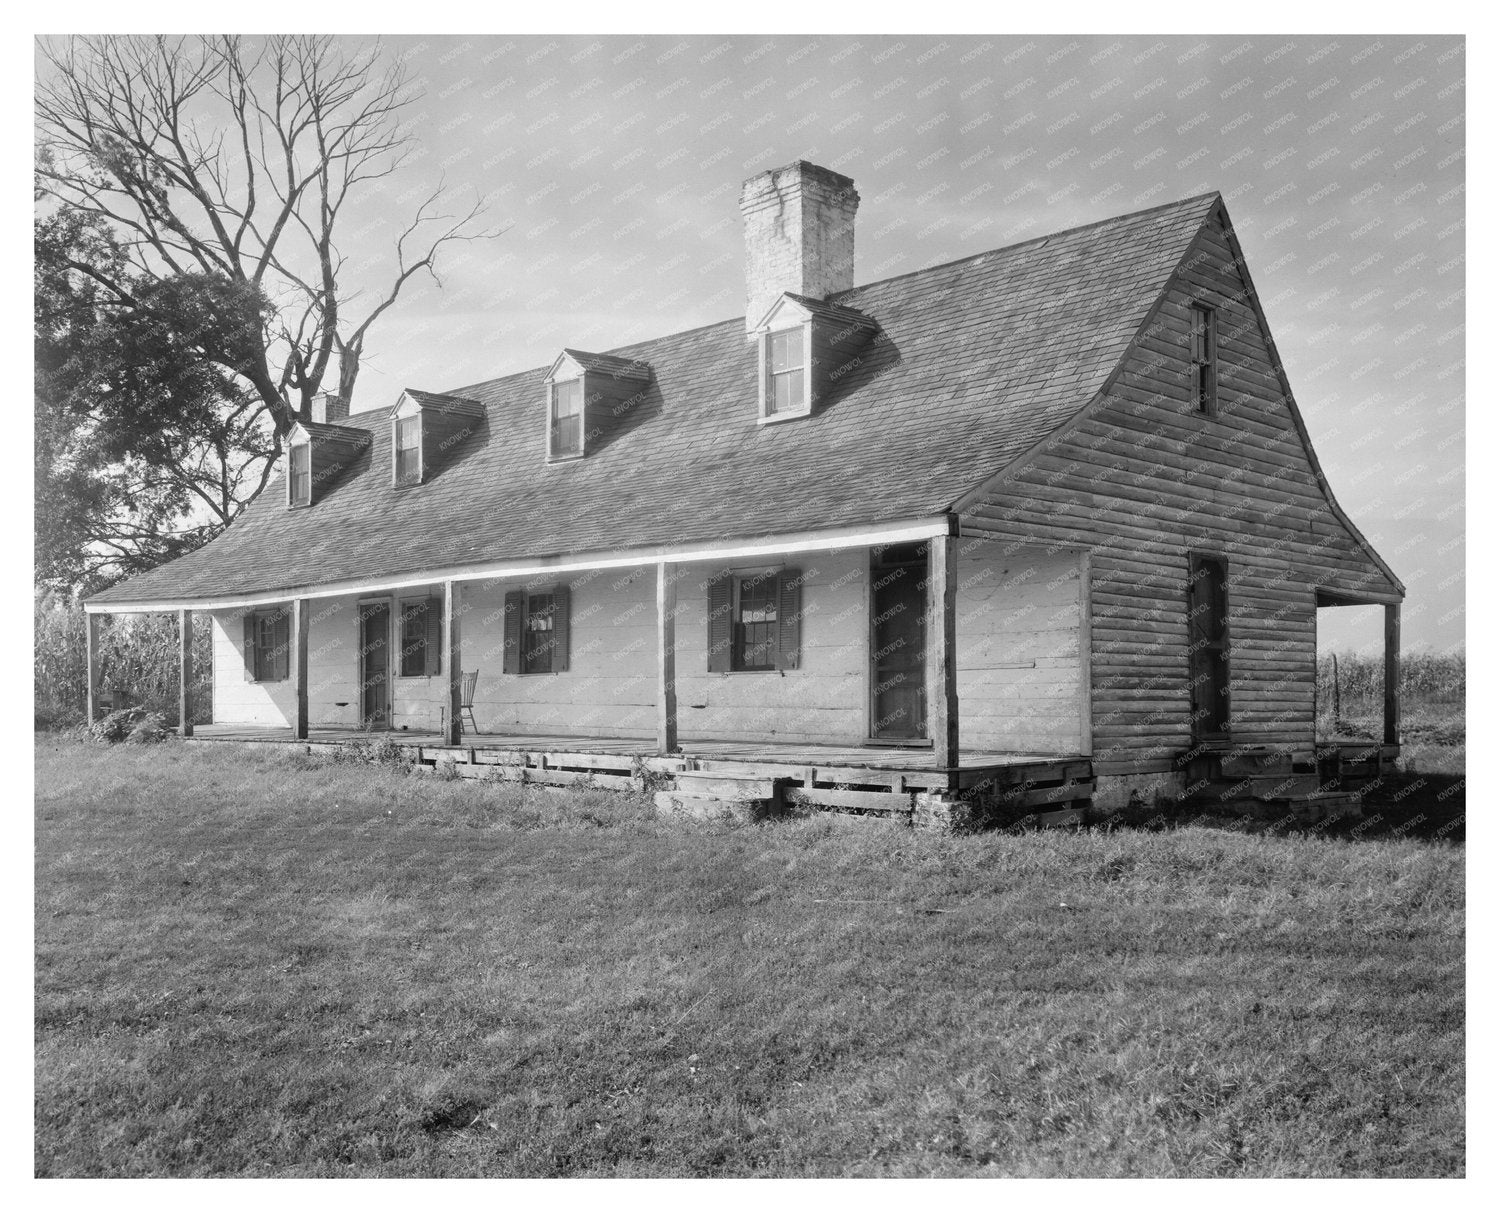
<point x="1427" y="679"/>
<point x="137" y="663"/>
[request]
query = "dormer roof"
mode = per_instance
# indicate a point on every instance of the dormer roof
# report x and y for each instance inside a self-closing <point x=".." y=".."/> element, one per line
<point x="821" y="309"/>
<point x="438" y="402"/>
<point x="575" y="362"/>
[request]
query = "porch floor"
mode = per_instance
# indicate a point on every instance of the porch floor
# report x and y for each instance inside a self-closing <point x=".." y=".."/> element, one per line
<point x="917" y="761"/>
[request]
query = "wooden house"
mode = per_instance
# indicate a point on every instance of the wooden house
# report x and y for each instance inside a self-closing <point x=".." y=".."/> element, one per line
<point x="1046" y="515"/>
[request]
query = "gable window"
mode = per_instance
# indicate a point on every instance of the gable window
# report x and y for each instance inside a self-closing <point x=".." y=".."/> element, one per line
<point x="1204" y="357"/>
<point x="537" y="626"/>
<point x="408" y="450"/>
<point x="567" y="419"/>
<point x="301" y="478"/>
<point x="268" y="645"/>
<point x="786" y="372"/>
<point x="755" y="620"/>
<point x="421" y="638"/>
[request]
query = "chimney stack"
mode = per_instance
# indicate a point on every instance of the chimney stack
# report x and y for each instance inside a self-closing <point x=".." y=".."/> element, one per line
<point x="799" y="235"/>
<point x="329" y="409"/>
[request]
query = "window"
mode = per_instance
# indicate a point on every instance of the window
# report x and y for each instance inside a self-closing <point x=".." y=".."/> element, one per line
<point x="1204" y="357"/>
<point x="786" y="370"/>
<point x="421" y="638"/>
<point x="537" y="626"/>
<point x="268" y="645"/>
<point x="301" y="482"/>
<point x="408" y="450"/>
<point x="754" y="620"/>
<point x="567" y="418"/>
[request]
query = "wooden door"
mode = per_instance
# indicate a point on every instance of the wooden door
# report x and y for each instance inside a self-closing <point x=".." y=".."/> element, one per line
<point x="898" y="642"/>
<point x="1208" y="646"/>
<point x="375" y="665"/>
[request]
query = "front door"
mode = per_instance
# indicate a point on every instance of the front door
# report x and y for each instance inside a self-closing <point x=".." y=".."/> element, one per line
<point x="898" y="642"/>
<point x="375" y="665"/>
<point x="1208" y="651"/>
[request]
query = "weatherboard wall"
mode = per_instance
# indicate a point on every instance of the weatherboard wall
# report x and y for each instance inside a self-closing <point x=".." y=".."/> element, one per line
<point x="1143" y="481"/>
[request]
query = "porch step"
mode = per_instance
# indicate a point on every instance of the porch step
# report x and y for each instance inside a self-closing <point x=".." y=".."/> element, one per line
<point x="1261" y="787"/>
<point x="1309" y="809"/>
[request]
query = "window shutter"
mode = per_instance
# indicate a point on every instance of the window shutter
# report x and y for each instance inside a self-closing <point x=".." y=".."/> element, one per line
<point x="434" y="650"/>
<point x="720" y="622"/>
<point x="562" y="620"/>
<point x="250" y="646"/>
<point x="515" y="610"/>
<point x="281" y="662"/>
<point x="789" y="619"/>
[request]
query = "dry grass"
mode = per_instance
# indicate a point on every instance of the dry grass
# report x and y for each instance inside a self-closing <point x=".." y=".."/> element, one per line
<point x="250" y="965"/>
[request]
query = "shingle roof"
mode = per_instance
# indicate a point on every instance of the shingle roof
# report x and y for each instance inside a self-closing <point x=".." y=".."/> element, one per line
<point x="973" y="363"/>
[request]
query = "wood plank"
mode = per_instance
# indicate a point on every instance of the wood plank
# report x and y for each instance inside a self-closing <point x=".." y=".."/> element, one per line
<point x="184" y="673"/>
<point x="885" y="802"/>
<point x="452" y="663"/>
<point x="666" y="658"/>
<point x="942" y="643"/>
<point x="1392" y="705"/>
<point x="1030" y="797"/>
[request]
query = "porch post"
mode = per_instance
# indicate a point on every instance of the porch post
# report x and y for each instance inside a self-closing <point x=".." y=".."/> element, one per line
<point x="185" y="674"/>
<point x="666" y="658"/>
<point x="453" y="727"/>
<point x="1393" y="673"/>
<point x="301" y="625"/>
<point x="942" y="630"/>
<point x="92" y="648"/>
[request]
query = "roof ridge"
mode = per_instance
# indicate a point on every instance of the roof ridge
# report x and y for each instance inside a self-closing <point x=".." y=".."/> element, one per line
<point x="1005" y="248"/>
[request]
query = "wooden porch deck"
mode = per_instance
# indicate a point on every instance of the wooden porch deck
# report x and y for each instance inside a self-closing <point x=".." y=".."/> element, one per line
<point x="893" y="768"/>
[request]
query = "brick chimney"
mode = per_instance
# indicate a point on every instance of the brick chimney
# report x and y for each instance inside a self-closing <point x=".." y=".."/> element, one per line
<point x="329" y="409"/>
<point x="799" y="235"/>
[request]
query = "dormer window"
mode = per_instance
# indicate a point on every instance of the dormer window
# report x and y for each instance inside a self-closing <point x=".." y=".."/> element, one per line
<point x="805" y="349"/>
<point x="429" y="429"/>
<point x="787" y="367"/>
<point x="317" y="455"/>
<point x="408" y="451"/>
<point x="300" y="486"/>
<point x="567" y="419"/>
<point x="590" y="399"/>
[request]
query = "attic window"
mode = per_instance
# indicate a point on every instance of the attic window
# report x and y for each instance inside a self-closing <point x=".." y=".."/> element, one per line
<point x="786" y="372"/>
<point x="299" y="486"/>
<point x="1204" y="356"/>
<point x="408" y="450"/>
<point x="565" y="438"/>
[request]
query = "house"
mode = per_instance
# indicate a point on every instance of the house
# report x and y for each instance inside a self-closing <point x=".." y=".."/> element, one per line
<point x="1052" y="503"/>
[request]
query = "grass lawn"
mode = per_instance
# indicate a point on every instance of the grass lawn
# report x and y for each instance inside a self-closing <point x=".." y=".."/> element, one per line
<point x="252" y="964"/>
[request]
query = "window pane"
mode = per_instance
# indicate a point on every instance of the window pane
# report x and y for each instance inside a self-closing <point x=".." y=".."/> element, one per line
<point x="755" y="627"/>
<point x="408" y="462"/>
<point x="786" y="392"/>
<point x="567" y="417"/>
<point x="786" y="350"/>
<point x="537" y="636"/>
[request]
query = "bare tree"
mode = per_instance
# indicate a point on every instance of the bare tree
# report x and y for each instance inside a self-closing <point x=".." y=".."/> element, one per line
<point x="232" y="162"/>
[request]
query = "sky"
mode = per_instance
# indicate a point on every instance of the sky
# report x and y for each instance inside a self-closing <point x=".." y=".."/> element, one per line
<point x="614" y="166"/>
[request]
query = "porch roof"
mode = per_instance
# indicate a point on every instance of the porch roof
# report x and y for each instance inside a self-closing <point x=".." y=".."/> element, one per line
<point x="973" y="363"/>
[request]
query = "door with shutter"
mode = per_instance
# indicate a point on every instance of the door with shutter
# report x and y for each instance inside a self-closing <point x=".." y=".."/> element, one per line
<point x="1208" y="646"/>
<point x="898" y="642"/>
<point x="375" y="664"/>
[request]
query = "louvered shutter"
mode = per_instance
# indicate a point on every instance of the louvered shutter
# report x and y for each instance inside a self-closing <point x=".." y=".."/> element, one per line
<point x="720" y="622"/>
<point x="282" y="639"/>
<point x="434" y="648"/>
<point x="562" y="620"/>
<point x="789" y="619"/>
<point x="515" y="611"/>
<point x="250" y="646"/>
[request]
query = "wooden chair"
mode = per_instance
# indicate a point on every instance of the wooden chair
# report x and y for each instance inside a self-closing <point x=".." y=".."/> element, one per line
<point x="466" y="698"/>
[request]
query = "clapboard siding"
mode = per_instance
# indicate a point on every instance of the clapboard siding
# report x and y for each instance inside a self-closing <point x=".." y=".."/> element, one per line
<point x="1143" y="480"/>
